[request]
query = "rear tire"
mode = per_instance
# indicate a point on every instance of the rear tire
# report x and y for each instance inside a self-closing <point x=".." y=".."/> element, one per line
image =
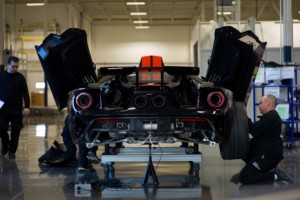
<point x="236" y="131"/>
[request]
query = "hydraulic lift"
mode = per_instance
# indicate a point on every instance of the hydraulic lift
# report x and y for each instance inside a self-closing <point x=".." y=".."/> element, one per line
<point x="151" y="154"/>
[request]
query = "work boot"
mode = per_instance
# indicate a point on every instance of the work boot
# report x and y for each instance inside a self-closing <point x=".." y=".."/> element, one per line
<point x="282" y="177"/>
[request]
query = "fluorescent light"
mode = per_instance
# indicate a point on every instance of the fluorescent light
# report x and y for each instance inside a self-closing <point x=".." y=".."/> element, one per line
<point x="141" y="22"/>
<point x="224" y="13"/>
<point x="142" y="27"/>
<point x="135" y="3"/>
<point x="138" y="13"/>
<point x="40" y="130"/>
<point x="233" y="2"/>
<point x="40" y="85"/>
<point x="35" y="4"/>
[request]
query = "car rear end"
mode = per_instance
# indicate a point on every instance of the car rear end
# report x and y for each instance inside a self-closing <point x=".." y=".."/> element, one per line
<point x="169" y="111"/>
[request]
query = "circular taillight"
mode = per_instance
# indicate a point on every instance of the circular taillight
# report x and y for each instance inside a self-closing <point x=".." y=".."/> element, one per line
<point x="215" y="99"/>
<point x="84" y="100"/>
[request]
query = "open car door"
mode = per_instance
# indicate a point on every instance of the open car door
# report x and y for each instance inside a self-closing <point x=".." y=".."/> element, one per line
<point x="67" y="63"/>
<point x="235" y="60"/>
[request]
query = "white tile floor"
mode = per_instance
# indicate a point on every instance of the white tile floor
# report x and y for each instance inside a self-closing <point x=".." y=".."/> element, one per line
<point x="24" y="179"/>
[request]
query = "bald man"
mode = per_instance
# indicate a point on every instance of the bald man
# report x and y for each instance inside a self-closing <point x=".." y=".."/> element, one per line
<point x="266" y="146"/>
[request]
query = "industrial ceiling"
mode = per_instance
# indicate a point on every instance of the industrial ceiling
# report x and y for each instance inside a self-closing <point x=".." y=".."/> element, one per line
<point x="175" y="12"/>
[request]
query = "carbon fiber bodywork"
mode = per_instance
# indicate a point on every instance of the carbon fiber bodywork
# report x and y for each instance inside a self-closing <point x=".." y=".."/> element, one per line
<point x="164" y="104"/>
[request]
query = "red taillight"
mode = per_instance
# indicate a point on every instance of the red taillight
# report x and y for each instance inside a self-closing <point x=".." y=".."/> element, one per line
<point x="107" y="120"/>
<point x="84" y="100"/>
<point x="215" y="99"/>
<point x="192" y="120"/>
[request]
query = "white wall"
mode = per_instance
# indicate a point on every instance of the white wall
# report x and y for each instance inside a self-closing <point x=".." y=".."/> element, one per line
<point x="64" y="14"/>
<point x="269" y="32"/>
<point x="17" y="13"/>
<point x="78" y="20"/>
<point x="117" y="45"/>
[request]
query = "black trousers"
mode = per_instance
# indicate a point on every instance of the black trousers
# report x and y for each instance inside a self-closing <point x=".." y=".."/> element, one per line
<point x="14" y="117"/>
<point x="259" y="169"/>
<point x="65" y="134"/>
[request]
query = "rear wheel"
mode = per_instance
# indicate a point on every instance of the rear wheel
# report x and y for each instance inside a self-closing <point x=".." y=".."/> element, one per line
<point x="236" y="143"/>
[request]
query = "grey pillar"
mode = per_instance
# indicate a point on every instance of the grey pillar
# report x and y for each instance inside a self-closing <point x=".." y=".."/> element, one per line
<point x="287" y="30"/>
<point x="45" y="34"/>
<point x="237" y="10"/>
<point x="2" y="32"/>
<point x="221" y="21"/>
<point x="251" y="22"/>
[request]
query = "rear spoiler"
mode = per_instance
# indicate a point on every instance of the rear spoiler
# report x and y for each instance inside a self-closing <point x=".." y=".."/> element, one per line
<point x="172" y="70"/>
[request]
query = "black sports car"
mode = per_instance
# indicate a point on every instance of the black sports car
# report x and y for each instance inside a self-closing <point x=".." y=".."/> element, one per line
<point x="153" y="102"/>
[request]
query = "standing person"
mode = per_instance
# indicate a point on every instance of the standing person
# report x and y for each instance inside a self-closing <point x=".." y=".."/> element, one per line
<point x="13" y="90"/>
<point x="266" y="146"/>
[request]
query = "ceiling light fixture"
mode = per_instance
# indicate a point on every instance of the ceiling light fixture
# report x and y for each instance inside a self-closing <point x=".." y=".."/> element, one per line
<point x="141" y="22"/>
<point x="135" y="3"/>
<point x="138" y="13"/>
<point x="224" y="13"/>
<point x="142" y="27"/>
<point x="35" y="4"/>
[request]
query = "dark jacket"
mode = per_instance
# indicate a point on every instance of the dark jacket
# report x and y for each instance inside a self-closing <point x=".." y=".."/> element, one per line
<point x="267" y="139"/>
<point x="13" y="90"/>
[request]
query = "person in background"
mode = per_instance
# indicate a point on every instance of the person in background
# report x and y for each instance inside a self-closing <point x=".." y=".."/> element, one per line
<point x="58" y="155"/>
<point x="266" y="147"/>
<point x="85" y="155"/>
<point x="13" y="90"/>
<point x="71" y="150"/>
